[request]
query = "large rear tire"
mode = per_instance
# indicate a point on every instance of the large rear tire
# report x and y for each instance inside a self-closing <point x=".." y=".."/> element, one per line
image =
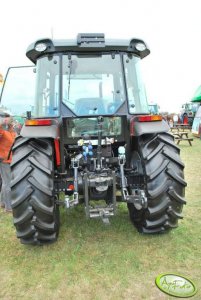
<point x="35" y="213"/>
<point x="164" y="184"/>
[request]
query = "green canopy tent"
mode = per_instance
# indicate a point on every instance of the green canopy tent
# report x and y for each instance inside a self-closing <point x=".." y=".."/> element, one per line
<point x="197" y="95"/>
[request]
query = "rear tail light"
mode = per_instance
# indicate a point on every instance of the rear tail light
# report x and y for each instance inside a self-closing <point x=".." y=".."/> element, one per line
<point x="40" y="122"/>
<point x="149" y="118"/>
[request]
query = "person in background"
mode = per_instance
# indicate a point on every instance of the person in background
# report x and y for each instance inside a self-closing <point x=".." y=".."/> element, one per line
<point x="175" y="119"/>
<point x="7" y="137"/>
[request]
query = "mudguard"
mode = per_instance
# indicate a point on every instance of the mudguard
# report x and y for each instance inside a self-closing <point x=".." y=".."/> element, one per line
<point x="140" y="128"/>
<point x="40" y="131"/>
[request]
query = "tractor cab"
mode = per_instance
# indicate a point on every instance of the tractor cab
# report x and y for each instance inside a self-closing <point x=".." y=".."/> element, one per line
<point x="89" y="76"/>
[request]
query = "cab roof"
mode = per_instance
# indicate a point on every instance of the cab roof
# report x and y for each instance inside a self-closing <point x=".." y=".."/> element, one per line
<point x="87" y="43"/>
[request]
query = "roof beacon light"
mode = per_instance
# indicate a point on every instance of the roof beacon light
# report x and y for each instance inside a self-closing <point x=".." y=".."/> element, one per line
<point x="140" y="47"/>
<point x="40" y="47"/>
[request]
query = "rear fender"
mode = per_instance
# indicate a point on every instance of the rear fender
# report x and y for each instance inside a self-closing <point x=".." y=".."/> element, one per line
<point x="40" y="131"/>
<point x="51" y="131"/>
<point x="140" y="128"/>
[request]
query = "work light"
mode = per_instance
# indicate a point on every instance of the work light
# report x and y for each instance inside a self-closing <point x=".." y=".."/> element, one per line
<point x="40" y="47"/>
<point x="140" y="46"/>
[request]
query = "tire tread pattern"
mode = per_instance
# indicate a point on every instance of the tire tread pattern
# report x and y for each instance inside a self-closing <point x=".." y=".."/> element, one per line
<point x="35" y="214"/>
<point x="164" y="184"/>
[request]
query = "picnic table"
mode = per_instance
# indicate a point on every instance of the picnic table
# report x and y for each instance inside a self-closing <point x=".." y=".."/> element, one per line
<point x="182" y="126"/>
<point x="182" y="136"/>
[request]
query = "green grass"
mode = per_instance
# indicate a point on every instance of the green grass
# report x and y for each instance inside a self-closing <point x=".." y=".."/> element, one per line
<point x="95" y="261"/>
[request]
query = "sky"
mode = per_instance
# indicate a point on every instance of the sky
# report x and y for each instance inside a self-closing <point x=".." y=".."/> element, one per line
<point x="171" y="29"/>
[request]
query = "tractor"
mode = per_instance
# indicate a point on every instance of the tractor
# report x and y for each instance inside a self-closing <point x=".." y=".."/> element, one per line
<point x="187" y="112"/>
<point x="88" y="138"/>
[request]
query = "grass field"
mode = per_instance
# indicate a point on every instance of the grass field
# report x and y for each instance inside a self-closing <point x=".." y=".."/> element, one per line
<point x="95" y="261"/>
